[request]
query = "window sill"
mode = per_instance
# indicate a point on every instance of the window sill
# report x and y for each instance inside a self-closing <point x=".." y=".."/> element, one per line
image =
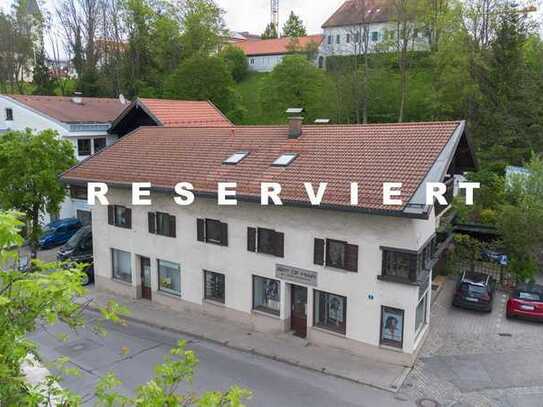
<point x="396" y="280"/>
<point x="339" y="270"/>
<point x="330" y="332"/>
<point x="214" y="303"/>
<point x="266" y="314"/>
<point x="166" y="293"/>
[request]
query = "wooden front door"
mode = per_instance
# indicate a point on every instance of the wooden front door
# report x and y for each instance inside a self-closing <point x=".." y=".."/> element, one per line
<point x="146" y="278"/>
<point x="298" y="310"/>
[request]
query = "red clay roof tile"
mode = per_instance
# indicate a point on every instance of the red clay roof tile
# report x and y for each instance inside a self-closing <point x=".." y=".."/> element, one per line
<point x="339" y="155"/>
<point x="275" y="46"/>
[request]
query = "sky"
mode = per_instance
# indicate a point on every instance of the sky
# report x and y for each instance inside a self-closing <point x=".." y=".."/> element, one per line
<point x="254" y="15"/>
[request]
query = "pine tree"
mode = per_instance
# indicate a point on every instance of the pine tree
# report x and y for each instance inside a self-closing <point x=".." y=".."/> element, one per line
<point x="270" y="32"/>
<point x="43" y="82"/>
<point x="294" y="27"/>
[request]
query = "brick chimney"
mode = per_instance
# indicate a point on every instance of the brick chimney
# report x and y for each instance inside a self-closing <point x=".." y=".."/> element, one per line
<point x="295" y="121"/>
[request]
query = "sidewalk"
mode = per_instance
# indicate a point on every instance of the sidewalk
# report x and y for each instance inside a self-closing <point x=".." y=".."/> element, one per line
<point x="285" y="348"/>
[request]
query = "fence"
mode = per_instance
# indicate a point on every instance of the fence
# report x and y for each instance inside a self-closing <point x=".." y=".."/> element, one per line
<point x="500" y="273"/>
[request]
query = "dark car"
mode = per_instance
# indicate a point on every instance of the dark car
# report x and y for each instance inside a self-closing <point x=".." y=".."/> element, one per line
<point x="526" y="301"/>
<point x="474" y="291"/>
<point x="58" y="232"/>
<point x="79" y="250"/>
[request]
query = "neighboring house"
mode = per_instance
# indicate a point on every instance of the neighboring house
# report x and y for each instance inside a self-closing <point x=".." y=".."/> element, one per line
<point x="345" y="30"/>
<point x="264" y="55"/>
<point x="168" y="113"/>
<point x="83" y="121"/>
<point x="356" y="277"/>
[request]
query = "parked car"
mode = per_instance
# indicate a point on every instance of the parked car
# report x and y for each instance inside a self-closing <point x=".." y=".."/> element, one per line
<point x="526" y="301"/>
<point x="475" y="291"/>
<point x="58" y="232"/>
<point x="495" y="256"/>
<point x="79" y="250"/>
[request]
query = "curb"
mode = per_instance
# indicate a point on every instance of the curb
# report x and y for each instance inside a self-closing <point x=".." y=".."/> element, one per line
<point x="394" y="387"/>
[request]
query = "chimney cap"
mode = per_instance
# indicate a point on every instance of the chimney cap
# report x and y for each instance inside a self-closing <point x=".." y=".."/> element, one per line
<point x="295" y="110"/>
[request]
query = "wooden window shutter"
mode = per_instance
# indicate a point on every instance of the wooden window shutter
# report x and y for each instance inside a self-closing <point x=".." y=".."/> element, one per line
<point x="151" y="219"/>
<point x="172" y="226"/>
<point x="200" y="230"/>
<point x="128" y="218"/>
<point x="251" y="239"/>
<point x="224" y="234"/>
<point x="351" y="257"/>
<point x="111" y="214"/>
<point x="318" y="252"/>
<point x="279" y="244"/>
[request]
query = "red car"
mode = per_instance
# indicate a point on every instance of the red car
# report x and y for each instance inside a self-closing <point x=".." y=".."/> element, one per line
<point x="526" y="302"/>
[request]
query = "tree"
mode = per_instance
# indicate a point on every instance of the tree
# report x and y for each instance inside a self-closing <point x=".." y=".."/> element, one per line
<point x="294" y="27"/>
<point x="44" y="84"/>
<point x="236" y="61"/>
<point x="204" y="77"/>
<point x="29" y="168"/>
<point x="270" y="32"/>
<point x="203" y="27"/>
<point x="52" y="294"/>
<point x="296" y="82"/>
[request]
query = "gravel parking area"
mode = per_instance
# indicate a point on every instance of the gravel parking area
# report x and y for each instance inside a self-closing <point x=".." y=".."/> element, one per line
<point x="478" y="359"/>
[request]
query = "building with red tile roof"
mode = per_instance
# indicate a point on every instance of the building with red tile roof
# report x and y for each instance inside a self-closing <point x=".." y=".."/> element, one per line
<point x="355" y="276"/>
<point x="264" y="55"/>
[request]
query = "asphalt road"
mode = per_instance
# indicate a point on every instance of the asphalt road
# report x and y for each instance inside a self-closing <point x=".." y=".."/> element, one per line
<point x="132" y="351"/>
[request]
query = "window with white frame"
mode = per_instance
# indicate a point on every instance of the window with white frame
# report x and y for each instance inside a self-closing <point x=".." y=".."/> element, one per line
<point x="169" y="277"/>
<point x="421" y="314"/>
<point x="9" y="114"/>
<point x="330" y="311"/>
<point x="121" y="265"/>
<point x="266" y="295"/>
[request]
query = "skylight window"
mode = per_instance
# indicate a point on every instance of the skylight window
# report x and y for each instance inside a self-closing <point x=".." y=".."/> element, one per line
<point x="285" y="159"/>
<point x="236" y="157"/>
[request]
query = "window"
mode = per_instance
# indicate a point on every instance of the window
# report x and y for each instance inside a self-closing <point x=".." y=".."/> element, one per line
<point x="357" y="37"/>
<point x="236" y="157"/>
<point x="119" y="216"/>
<point x="84" y="146"/>
<point x="252" y="61"/>
<point x="420" y="316"/>
<point x="392" y="327"/>
<point x="99" y="144"/>
<point x="374" y="36"/>
<point x="214" y="286"/>
<point x="161" y="224"/>
<point x="169" y="277"/>
<point x="285" y="159"/>
<point x="212" y="231"/>
<point x="348" y="39"/>
<point x="9" y="114"/>
<point x="329" y="40"/>
<point x="338" y="39"/>
<point x="85" y="217"/>
<point x="400" y="264"/>
<point x="78" y="192"/>
<point x="266" y="295"/>
<point x="335" y="253"/>
<point x="330" y="311"/>
<point x="122" y="265"/>
<point x="265" y="241"/>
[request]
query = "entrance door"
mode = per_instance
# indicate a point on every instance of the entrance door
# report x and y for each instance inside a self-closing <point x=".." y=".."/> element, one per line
<point x="298" y="310"/>
<point x="145" y="278"/>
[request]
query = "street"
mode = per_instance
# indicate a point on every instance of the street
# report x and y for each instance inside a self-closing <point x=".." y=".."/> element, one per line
<point x="132" y="351"/>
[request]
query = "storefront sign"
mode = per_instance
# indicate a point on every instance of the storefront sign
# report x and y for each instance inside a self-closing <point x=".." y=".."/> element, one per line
<point x="296" y="275"/>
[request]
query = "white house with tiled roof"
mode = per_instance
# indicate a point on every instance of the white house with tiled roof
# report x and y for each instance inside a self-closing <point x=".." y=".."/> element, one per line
<point x="340" y="272"/>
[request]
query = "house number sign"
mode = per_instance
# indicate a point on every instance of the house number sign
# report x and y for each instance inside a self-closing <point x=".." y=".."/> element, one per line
<point x="296" y="275"/>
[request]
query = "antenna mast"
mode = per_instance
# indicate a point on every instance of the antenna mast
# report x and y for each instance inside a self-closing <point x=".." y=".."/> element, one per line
<point x="275" y="13"/>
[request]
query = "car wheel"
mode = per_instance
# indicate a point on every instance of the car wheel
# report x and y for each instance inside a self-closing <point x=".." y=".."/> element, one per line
<point x="508" y="315"/>
<point x="85" y="280"/>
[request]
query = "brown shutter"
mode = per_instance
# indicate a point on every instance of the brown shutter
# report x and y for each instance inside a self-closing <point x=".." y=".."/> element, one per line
<point x="151" y="219"/>
<point x="279" y="244"/>
<point x="128" y="218"/>
<point x="111" y="214"/>
<point x="224" y="234"/>
<point x="200" y="230"/>
<point x="351" y="257"/>
<point x="318" y="251"/>
<point x="251" y="239"/>
<point x="172" y="226"/>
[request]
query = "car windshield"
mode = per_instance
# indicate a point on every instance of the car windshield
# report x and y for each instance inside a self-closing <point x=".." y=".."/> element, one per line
<point x="74" y="240"/>
<point x="528" y="295"/>
<point x="472" y="289"/>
